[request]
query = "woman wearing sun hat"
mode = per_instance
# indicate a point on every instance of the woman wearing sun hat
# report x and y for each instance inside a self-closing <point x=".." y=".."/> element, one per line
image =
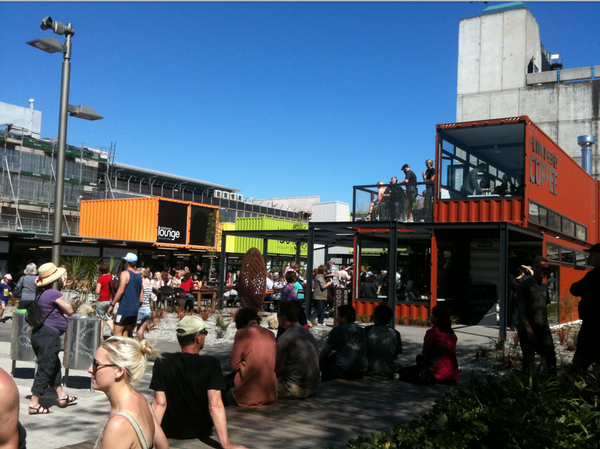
<point x="45" y="340"/>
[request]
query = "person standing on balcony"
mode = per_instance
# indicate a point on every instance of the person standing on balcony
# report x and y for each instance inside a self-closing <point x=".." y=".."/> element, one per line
<point x="411" y="191"/>
<point x="429" y="178"/>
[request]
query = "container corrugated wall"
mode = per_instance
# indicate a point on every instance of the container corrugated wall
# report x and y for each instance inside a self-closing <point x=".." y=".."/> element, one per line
<point x="243" y="244"/>
<point x="478" y="211"/>
<point x="127" y="219"/>
<point x="230" y="247"/>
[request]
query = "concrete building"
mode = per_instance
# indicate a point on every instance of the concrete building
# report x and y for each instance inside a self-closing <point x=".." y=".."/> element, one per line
<point x="505" y="71"/>
<point x="331" y="211"/>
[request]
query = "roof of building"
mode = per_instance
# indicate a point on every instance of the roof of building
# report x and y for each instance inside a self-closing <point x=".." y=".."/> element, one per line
<point x="169" y="177"/>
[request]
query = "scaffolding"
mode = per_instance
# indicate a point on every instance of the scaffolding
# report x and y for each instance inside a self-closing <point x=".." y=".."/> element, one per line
<point x="27" y="180"/>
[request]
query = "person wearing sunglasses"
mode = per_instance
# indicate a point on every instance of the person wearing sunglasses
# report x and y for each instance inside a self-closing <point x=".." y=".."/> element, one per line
<point x="119" y="362"/>
<point x="533" y="328"/>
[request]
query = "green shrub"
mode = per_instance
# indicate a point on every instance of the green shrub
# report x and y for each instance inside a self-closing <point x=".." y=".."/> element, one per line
<point x="510" y="411"/>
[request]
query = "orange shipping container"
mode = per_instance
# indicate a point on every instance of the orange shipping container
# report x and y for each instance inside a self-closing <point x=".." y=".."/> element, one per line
<point x="166" y="222"/>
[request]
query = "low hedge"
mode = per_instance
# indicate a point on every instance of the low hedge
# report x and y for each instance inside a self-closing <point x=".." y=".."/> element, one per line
<point x="504" y="411"/>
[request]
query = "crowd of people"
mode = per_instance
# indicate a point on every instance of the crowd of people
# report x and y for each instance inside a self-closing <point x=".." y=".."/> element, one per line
<point x="401" y="201"/>
<point x="190" y="390"/>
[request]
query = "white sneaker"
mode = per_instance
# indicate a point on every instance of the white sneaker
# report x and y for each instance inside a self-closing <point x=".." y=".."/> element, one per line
<point x="410" y="220"/>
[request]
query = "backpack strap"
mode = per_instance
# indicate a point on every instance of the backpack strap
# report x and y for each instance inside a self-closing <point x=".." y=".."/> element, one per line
<point x="136" y="427"/>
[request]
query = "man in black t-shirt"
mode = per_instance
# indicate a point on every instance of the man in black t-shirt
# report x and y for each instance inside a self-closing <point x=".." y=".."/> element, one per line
<point x="533" y="328"/>
<point x="411" y="190"/>
<point x="187" y="388"/>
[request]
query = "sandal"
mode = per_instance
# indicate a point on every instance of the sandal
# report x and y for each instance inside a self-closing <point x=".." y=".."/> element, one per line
<point x="64" y="402"/>
<point x="39" y="410"/>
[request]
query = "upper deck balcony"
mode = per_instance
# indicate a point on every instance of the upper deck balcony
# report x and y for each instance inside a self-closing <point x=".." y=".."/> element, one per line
<point x="491" y="171"/>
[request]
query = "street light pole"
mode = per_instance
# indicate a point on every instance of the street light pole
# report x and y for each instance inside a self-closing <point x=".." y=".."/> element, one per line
<point x="62" y="148"/>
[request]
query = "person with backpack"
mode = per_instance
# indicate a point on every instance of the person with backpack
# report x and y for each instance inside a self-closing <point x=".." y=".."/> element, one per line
<point x="46" y="338"/>
<point x="129" y="296"/>
<point x="103" y="291"/>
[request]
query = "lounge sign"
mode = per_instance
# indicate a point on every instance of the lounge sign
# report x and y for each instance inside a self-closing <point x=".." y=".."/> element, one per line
<point x="172" y="222"/>
<point x="543" y="168"/>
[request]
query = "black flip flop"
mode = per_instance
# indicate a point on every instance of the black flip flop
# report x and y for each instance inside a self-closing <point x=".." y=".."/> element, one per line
<point x="64" y="402"/>
<point x="39" y="410"/>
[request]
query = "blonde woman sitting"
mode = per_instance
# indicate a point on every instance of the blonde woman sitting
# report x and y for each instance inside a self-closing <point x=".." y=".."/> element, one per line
<point x="119" y="362"/>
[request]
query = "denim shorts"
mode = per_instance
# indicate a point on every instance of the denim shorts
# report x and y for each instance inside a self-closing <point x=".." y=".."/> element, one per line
<point x="144" y="315"/>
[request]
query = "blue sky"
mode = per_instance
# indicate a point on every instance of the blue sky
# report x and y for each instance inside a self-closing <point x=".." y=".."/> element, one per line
<point x="274" y="99"/>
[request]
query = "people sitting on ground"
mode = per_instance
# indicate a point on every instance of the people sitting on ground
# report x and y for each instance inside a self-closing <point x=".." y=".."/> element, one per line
<point x="383" y="344"/>
<point x="104" y="297"/>
<point x="25" y="289"/>
<point x="12" y="433"/>
<point x="119" y="362"/>
<point x="252" y="363"/>
<point x="349" y="341"/>
<point x="437" y="361"/>
<point x="187" y="388"/>
<point x="369" y="289"/>
<point x="297" y="362"/>
<point x="5" y="293"/>
<point x="187" y="284"/>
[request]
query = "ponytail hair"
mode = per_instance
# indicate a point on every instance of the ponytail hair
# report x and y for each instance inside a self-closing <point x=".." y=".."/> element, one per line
<point x="130" y="355"/>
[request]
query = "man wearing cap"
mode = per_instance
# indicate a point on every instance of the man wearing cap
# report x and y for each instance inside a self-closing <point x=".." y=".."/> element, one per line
<point x="588" y="340"/>
<point x="187" y="388"/>
<point x="5" y="293"/>
<point x="130" y="296"/>
<point x="410" y="179"/>
<point x="533" y="328"/>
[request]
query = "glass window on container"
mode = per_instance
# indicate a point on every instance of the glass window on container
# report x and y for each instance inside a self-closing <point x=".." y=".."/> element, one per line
<point x="580" y="259"/>
<point x="553" y="253"/>
<point x="452" y="173"/>
<point x="567" y="256"/>
<point x="534" y="213"/>
<point x="543" y="216"/>
<point x="554" y="221"/>
<point x="580" y="232"/>
<point x="568" y="227"/>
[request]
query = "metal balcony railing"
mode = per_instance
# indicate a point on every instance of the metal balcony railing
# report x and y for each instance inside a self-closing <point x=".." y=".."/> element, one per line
<point x="393" y="202"/>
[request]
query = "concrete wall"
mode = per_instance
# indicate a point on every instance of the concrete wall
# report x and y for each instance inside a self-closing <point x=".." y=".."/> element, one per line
<point x="494" y="51"/>
<point x="21" y="117"/>
<point x="493" y="55"/>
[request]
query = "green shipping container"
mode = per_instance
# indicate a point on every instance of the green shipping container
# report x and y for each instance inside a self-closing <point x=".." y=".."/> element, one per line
<point x="243" y="244"/>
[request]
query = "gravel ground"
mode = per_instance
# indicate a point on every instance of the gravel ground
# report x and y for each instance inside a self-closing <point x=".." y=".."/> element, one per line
<point x="501" y="357"/>
<point x="165" y="330"/>
<point x="495" y="356"/>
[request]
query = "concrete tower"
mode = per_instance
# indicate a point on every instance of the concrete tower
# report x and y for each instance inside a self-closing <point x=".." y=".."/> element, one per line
<point x="504" y="70"/>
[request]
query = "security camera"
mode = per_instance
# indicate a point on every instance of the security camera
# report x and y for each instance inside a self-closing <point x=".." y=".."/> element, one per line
<point x="46" y="23"/>
<point x="57" y="27"/>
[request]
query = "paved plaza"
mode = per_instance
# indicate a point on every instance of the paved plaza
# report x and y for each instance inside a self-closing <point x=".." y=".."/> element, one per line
<point x="341" y="410"/>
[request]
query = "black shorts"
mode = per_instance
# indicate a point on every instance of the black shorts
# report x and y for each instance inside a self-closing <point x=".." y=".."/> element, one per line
<point x="121" y="320"/>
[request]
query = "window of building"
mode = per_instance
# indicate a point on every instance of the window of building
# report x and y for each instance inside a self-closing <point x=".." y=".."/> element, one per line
<point x="553" y="253"/>
<point x="501" y="148"/>
<point x="580" y="259"/>
<point x="567" y="256"/>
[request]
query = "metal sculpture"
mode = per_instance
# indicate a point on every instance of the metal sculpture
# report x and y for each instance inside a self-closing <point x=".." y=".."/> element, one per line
<point x="252" y="284"/>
